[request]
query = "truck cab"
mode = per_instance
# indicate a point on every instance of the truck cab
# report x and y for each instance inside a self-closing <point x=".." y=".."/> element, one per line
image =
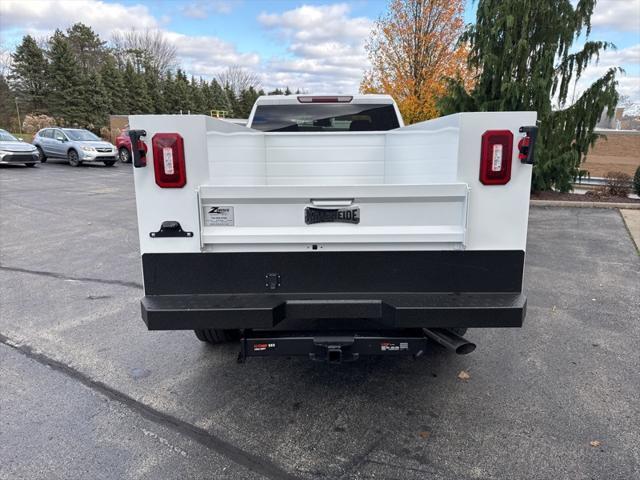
<point x="325" y="113"/>
<point x="326" y="228"/>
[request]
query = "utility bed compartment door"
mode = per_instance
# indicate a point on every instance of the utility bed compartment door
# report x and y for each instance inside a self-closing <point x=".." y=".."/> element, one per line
<point x="293" y="218"/>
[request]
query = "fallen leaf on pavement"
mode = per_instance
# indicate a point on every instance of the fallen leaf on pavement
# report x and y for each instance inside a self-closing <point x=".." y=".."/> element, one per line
<point x="464" y="375"/>
<point x="424" y="435"/>
<point x="595" y="443"/>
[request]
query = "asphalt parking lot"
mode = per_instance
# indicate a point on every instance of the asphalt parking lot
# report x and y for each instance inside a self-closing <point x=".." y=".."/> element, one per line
<point x="87" y="392"/>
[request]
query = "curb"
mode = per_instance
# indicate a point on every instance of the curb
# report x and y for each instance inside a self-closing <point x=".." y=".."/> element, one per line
<point x="558" y="203"/>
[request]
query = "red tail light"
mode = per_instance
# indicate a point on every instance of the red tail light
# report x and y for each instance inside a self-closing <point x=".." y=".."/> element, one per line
<point x="168" y="160"/>
<point x="495" y="159"/>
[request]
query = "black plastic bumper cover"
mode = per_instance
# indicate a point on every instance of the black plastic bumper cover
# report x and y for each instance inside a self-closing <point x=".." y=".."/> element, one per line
<point x="308" y="312"/>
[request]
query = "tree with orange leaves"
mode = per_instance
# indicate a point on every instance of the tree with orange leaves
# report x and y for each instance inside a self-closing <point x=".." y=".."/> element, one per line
<point x="413" y="49"/>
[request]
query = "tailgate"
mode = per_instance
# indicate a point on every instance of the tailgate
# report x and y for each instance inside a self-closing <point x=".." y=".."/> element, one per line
<point x="362" y="217"/>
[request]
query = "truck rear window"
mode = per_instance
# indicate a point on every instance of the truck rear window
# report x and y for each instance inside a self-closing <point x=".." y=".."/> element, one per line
<point x="325" y="118"/>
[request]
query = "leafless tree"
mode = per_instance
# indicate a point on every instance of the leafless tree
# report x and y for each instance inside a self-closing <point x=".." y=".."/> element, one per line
<point x="238" y="79"/>
<point x="5" y="61"/>
<point x="145" y="47"/>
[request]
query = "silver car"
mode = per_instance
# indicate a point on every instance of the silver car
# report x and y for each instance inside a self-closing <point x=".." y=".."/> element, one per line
<point x="14" y="150"/>
<point x="75" y="145"/>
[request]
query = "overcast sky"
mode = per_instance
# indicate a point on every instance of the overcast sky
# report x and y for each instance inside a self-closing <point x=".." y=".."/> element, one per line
<point x="316" y="46"/>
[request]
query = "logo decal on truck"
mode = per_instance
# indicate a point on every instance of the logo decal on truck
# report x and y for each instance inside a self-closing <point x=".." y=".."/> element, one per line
<point x="218" y="216"/>
<point x="327" y="215"/>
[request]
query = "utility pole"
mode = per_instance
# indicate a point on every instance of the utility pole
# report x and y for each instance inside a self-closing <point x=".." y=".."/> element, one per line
<point x="18" y="111"/>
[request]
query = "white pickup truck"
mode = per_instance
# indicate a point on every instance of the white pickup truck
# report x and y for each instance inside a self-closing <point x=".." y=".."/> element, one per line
<point x="326" y="228"/>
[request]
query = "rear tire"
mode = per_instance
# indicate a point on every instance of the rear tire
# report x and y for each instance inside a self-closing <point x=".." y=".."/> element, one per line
<point x="215" y="335"/>
<point x="73" y="158"/>
<point x="109" y="163"/>
<point x="30" y="165"/>
<point x="124" y="154"/>
<point x="43" y="158"/>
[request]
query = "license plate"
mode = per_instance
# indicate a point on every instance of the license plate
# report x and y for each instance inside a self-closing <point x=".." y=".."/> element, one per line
<point x="331" y="215"/>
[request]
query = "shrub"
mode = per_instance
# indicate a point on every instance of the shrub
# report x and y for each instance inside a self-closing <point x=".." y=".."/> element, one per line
<point x="636" y="181"/>
<point x="618" y="184"/>
<point x="33" y="123"/>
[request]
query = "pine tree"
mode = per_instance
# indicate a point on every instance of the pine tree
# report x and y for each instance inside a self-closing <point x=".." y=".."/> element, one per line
<point x="8" y="118"/>
<point x="116" y="95"/>
<point x="67" y="91"/>
<point x="87" y="47"/>
<point x="233" y="106"/>
<point x="169" y="92"/>
<point x="287" y="91"/>
<point x="247" y="98"/>
<point x="154" y="88"/>
<point x="196" y="97"/>
<point x="28" y="76"/>
<point x="523" y="53"/>
<point x="96" y="102"/>
<point x="220" y="99"/>
<point x="139" y="99"/>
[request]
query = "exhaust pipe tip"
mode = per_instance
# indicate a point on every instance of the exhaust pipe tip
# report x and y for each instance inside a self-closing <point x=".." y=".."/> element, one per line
<point x="450" y="340"/>
<point x="466" y="348"/>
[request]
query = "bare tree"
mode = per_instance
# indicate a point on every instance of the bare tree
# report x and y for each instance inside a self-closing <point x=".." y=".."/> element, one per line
<point x="5" y="61"/>
<point x="238" y="79"/>
<point x="145" y="47"/>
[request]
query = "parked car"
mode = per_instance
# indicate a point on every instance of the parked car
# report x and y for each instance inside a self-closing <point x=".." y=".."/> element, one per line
<point x="74" y="144"/>
<point x="14" y="150"/>
<point x="123" y="144"/>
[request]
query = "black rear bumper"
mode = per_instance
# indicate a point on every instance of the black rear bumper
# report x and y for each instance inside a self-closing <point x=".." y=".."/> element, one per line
<point x="338" y="312"/>
<point x="334" y="290"/>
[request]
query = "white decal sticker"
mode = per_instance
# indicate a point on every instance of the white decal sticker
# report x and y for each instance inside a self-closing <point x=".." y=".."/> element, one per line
<point x="218" y="216"/>
<point x="497" y="158"/>
<point x="167" y="156"/>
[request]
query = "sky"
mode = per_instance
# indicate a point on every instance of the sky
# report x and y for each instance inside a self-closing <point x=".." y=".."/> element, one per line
<point x="316" y="46"/>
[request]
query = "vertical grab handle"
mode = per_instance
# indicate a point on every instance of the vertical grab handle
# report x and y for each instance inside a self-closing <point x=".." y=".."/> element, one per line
<point x="137" y="148"/>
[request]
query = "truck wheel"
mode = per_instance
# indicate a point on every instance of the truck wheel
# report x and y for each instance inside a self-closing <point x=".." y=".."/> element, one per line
<point x="214" y="335"/>
<point x="124" y="154"/>
<point x="43" y="158"/>
<point x="30" y="164"/>
<point x="73" y="158"/>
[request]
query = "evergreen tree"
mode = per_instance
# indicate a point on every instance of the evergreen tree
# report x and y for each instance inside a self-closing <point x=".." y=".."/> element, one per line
<point x="116" y="95"/>
<point x="170" y="94"/>
<point x="233" y="105"/>
<point x="67" y="91"/>
<point x="8" y="118"/>
<point x="196" y="97"/>
<point x="154" y="88"/>
<point x="139" y="99"/>
<point x="86" y="46"/>
<point x="219" y="99"/>
<point x="523" y="54"/>
<point x="182" y="93"/>
<point x="95" y="101"/>
<point x="247" y="98"/>
<point x="287" y="91"/>
<point x="28" y="76"/>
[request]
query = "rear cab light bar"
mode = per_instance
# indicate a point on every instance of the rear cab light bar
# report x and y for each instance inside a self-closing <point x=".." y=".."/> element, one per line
<point x="325" y="99"/>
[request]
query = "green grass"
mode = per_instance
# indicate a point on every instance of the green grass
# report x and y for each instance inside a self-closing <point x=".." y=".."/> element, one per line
<point x="27" y="137"/>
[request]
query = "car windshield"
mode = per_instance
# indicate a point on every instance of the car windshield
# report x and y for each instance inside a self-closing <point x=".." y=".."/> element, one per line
<point x="7" y="137"/>
<point x="325" y="118"/>
<point x="81" y="135"/>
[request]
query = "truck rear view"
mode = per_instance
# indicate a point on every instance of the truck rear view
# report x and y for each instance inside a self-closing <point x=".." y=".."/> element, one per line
<point x="328" y="229"/>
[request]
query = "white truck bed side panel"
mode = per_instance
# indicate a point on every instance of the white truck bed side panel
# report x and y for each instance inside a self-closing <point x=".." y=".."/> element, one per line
<point x="498" y="214"/>
<point x="156" y="205"/>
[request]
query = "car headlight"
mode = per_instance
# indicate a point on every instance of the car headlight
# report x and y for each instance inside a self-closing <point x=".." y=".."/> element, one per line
<point x="88" y="149"/>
